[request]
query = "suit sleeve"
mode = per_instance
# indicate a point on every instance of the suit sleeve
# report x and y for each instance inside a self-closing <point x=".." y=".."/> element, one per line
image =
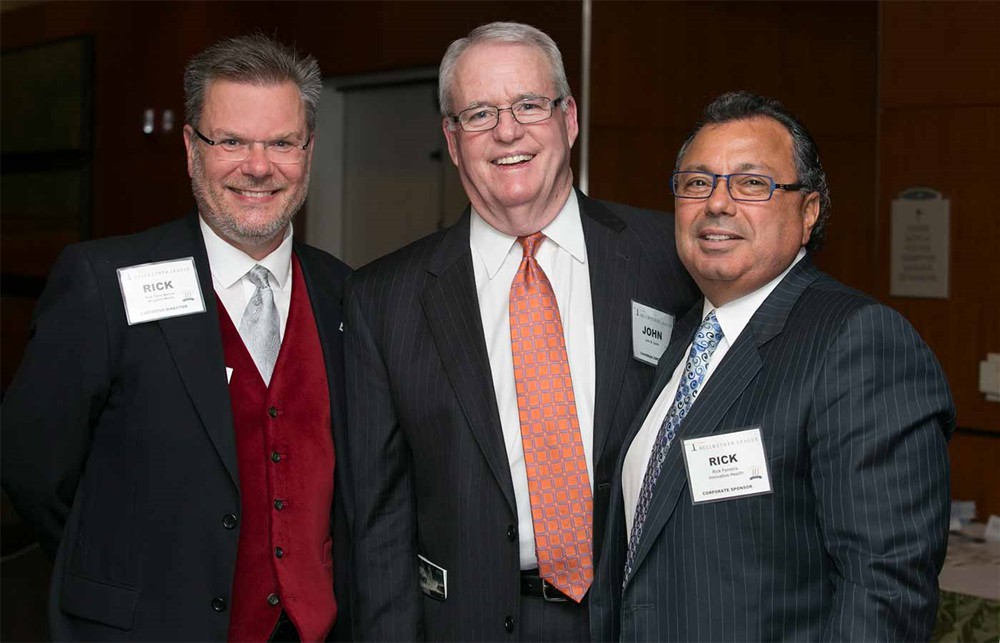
<point x="387" y="598"/>
<point x="882" y="416"/>
<point x="56" y="398"/>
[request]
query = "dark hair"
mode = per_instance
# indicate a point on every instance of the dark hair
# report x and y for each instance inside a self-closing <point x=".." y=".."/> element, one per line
<point x="743" y="105"/>
<point x="255" y="59"/>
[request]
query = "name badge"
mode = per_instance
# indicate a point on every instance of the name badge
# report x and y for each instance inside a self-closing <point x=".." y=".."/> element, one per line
<point x="433" y="579"/>
<point x="650" y="332"/>
<point x="721" y="467"/>
<point x="153" y="291"/>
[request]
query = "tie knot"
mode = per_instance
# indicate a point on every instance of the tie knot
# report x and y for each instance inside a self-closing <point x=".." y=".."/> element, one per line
<point x="530" y="243"/>
<point x="258" y="276"/>
<point x="710" y="330"/>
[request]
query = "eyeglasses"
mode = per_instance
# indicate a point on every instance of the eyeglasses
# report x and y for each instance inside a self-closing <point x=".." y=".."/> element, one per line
<point x="525" y="111"/>
<point x="237" y="150"/>
<point x="741" y="186"/>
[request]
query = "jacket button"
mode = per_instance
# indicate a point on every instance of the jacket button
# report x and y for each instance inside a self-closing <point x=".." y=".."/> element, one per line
<point x="279" y="505"/>
<point x="275" y="456"/>
<point x="229" y="521"/>
<point x="279" y="552"/>
<point x="508" y="623"/>
<point x="272" y="599"/>
<point x="511" y="532"/>
<point x="219" y="604"/>
<point x="273" y="412"/>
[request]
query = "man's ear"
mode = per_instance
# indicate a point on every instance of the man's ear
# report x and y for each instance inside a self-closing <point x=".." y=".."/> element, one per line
<point x="810" y="215"/>
<point x="572" y="126"/>
<point x="189" y="144"/>
<point x="450" y="130"/>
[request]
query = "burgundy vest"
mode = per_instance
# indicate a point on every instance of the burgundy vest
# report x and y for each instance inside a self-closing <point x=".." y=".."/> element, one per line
<point x="284" y="448"/>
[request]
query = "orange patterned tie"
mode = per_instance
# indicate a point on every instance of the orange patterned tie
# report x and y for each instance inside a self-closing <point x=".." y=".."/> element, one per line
<point x="558" y="484"/>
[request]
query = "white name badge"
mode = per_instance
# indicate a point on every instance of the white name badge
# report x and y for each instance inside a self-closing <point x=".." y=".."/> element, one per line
<point x="650" y="332"/>
<point x="721" y="467"/>
<point x="153" y="291"/>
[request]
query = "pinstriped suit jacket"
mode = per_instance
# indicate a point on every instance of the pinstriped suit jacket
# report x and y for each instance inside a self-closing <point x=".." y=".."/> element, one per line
<point x="854" y="412"/>
<point x="431" y="474"/>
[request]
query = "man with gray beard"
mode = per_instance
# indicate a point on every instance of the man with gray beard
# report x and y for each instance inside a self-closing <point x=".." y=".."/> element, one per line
<point x="184" y="483"/>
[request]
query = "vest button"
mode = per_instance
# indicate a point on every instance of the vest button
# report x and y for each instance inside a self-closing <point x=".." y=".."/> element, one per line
<point x="273" y="412"/>
<point x="279" y="505"/>
<point x="219" y="604"/>
<point x="508" y="623"/>
<point x="229" y="521"/>
<point x="511" y="533"/>
<point x="279" y="552"/>
<point x="275" y="456"/>
<point x="272" y="599"/>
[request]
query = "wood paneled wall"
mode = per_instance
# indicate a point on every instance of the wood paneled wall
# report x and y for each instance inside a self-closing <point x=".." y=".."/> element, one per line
<point x="658" y="64"/>
<point x="896" y="93"/>
<point x="939" y="126"/>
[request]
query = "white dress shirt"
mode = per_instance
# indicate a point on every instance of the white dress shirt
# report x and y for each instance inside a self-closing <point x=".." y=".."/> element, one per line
<point x="563" y="256"/>
<point x="733" y="318"/>
<point x="230" y="267"/>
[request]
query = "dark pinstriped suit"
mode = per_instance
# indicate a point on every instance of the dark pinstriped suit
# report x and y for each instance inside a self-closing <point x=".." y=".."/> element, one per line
<point x="855" y="413"/>
<point x="427" y="450"/>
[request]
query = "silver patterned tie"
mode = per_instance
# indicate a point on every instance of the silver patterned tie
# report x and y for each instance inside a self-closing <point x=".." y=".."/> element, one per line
<point x="706" y="340"/>
<point x="259" y="327"/>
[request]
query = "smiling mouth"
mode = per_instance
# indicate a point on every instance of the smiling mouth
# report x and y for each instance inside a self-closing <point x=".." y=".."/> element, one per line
<point x="515" y="159"/>
<point x="719" y="237"/>
<point x="254" y="194"/>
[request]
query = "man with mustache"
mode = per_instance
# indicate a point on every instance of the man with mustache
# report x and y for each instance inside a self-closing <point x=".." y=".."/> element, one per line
<point x="787" y="476"/>
<point x="172" y="433"/>
<point x="493" y="368"/>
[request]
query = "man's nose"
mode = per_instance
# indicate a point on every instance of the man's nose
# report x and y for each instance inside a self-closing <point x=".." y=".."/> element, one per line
<point x="508" y="128"/>
<point x="720" y="201"/>
<point x="257" y="162"/>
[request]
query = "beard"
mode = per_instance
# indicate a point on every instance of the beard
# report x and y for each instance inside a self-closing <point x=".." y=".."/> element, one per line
<point x="247" y="227"/>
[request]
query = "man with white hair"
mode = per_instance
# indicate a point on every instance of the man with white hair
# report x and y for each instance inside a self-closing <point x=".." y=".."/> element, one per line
<point x="493" y="368"/>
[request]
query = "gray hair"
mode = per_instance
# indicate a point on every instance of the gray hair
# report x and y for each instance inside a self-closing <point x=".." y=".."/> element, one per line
<point x="253" y="59"/>
<point x="743" y="105"/>
<point x="513" y="33"/>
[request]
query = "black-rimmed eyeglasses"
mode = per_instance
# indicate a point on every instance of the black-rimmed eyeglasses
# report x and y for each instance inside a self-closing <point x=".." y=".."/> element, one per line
<point x="742" y="186"/>
<point x="525" y="111"/>
<point x="237" y="150"/>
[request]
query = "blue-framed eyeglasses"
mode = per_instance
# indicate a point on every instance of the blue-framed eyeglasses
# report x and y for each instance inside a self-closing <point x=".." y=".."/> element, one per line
<point x="742" y="186"/>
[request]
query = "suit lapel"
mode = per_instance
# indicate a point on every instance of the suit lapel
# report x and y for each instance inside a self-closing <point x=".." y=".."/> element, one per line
<point x="738" y="368"/>
<point x="451" y="306"/>
<point x="195" y="344"/>
<point x="614" y="276"/>
<point x="325" y="297"/>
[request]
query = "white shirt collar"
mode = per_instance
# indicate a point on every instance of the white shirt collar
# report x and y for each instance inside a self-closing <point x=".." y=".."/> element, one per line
<point x="734" y="316"/>
<point x="566" y="231"/>
<point x="229" y="264"/>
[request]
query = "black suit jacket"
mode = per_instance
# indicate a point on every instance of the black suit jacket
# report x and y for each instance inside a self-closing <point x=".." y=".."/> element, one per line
<point x="854" y="412"/>
<point x="426" y="445"/>
<point x="119" y="449"/>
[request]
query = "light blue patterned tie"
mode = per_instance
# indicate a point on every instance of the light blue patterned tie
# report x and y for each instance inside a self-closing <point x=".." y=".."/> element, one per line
<point x="259" y="326"/>
<point x="705" y="342"/>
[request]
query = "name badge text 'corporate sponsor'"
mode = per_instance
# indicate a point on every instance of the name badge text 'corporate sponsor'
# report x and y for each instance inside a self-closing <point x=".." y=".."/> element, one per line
<point x="153" y="291"/>
<point x="722" y="467"/>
